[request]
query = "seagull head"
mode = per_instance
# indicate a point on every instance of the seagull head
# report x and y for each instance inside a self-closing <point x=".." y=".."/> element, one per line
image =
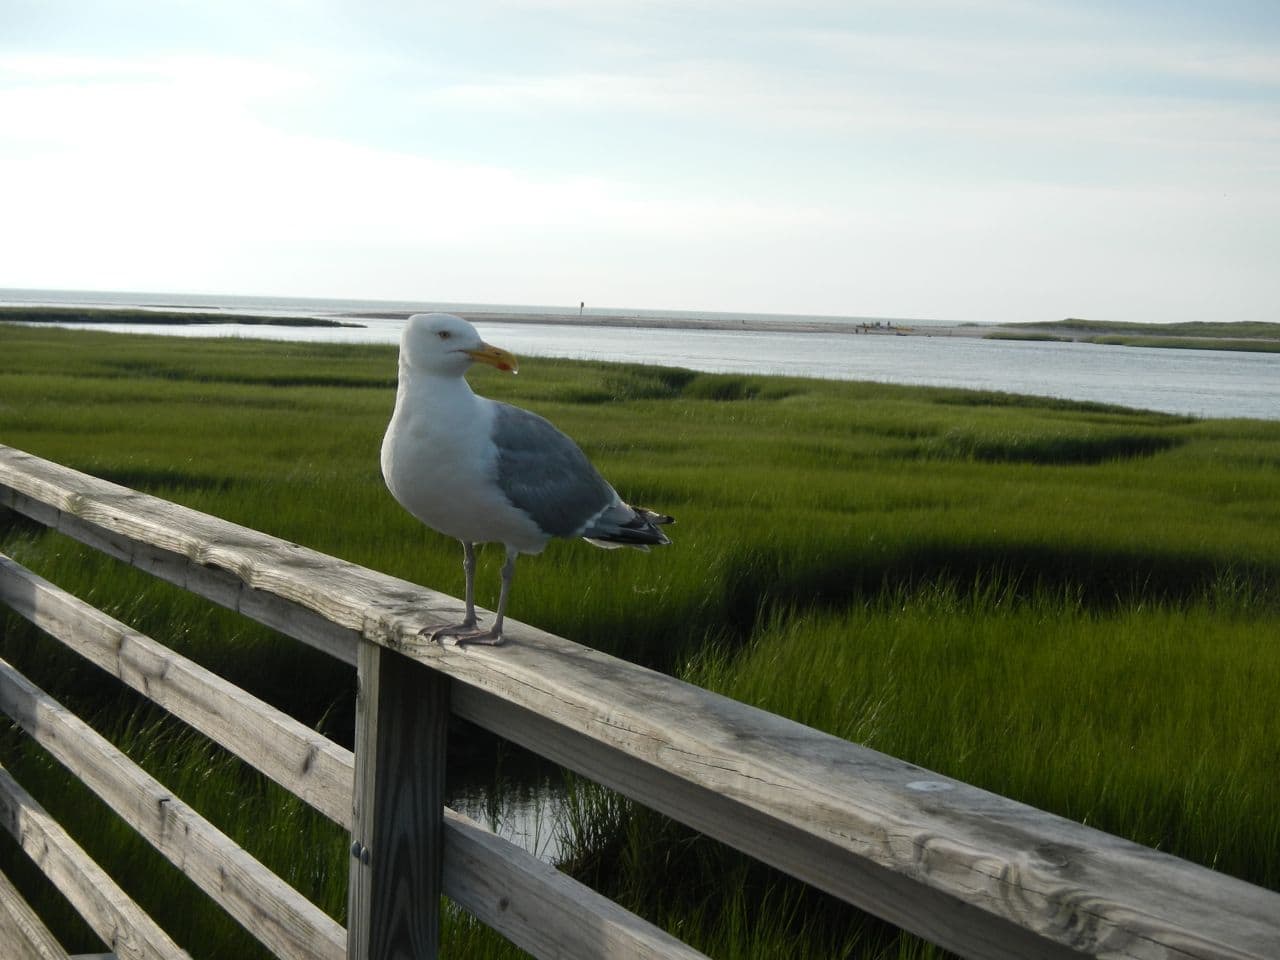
<point x="446" y="345"/>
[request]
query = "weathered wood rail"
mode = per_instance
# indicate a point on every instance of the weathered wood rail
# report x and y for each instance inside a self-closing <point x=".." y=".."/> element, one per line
<point x="980" y="874"/>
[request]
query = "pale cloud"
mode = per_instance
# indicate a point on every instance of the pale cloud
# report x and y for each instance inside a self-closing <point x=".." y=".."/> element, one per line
<point x="237" y="76"/>
<point x="167" y="164"/>
<point x="1066" y="60"/>
<point x="1137" y="135"/>
<point x="132" y="103"/>
<point x="753" y="156"/>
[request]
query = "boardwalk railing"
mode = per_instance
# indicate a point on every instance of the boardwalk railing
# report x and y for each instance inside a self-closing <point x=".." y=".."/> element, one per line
<point x="974" y="872"/>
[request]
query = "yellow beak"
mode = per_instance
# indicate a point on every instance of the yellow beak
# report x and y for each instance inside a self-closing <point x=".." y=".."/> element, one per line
<point x="495" y="357"/>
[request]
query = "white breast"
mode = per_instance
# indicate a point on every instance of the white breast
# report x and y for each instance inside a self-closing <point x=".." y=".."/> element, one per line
<point x="439" y="462"/>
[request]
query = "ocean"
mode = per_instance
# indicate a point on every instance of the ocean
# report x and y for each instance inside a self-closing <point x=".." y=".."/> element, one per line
<point x="1201" y="383"/>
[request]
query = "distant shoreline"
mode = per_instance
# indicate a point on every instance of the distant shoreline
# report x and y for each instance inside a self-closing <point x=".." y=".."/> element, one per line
<point x="1244" y="336"/>
<point x="1263" y="337"/>
<point x="756" y="324"/>
<point x="142" y="315"/>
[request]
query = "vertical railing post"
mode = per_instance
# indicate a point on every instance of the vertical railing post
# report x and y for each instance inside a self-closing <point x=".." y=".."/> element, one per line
<point x="402" y="711"/>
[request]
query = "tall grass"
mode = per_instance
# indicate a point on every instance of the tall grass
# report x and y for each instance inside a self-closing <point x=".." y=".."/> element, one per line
<point x="1071" y="604"/>
<point x="1152" y="721"/>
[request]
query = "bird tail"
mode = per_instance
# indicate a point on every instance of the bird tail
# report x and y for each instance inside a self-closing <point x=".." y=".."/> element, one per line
<point x="628" y="526"/>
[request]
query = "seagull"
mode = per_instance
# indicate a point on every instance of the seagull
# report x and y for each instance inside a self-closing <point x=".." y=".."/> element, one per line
<point x="487" y="472"/>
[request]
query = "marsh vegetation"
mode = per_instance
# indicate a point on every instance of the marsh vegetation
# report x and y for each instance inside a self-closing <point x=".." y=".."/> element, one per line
<point x="1251" y="337"/>
<point x="1071" y="604"/>
<point x="153" y="317"/>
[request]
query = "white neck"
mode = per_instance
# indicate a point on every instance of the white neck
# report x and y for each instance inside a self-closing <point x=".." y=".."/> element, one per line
<point x="423" y="390"/>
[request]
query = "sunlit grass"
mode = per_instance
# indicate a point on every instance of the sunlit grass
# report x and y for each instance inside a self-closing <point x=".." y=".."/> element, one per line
<point x="1114" y="718"/>
<point x="1071" y="604"/>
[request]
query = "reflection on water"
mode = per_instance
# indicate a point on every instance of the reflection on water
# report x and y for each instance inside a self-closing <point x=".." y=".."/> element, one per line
<point x="1202" y="383"/>
<point x="531" y="815"/>
<point x="513" y="792"/>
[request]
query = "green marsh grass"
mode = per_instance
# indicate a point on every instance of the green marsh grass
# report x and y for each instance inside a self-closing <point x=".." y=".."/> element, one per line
<point x="1071" y="604"/>
<point x="1260" y="337"/>
<point x="1260" y="330"/>
<point x="43" y="314"/>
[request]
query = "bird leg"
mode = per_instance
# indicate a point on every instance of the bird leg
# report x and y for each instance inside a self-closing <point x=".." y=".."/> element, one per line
<point x="508" y="577"/>
<point x="468" y="623"/>
<point x="466" y="631"/>
<point x="469" y="568"/>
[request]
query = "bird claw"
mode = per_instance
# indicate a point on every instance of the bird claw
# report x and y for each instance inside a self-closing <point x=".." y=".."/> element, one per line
<point x="485" y="639"/>
<point x="462" y="634"/>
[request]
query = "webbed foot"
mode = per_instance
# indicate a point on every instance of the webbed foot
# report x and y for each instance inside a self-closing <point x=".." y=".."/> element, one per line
<point x="464" y="633"/>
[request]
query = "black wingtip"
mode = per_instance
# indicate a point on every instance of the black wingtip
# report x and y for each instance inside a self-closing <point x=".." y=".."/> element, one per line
<point x="641" y="531"/>
<point x="661" y="519"/>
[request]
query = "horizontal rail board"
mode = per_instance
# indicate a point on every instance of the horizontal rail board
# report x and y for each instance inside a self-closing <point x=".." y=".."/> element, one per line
<point x="223" y="587"/>
<point x="541" y="910"/>
<point x="307" y="764"/>
<point x="980" y="874"/>
<point x="119" y="922"/>
<point x="22" y="932"/>
<point x="272" y="911"/>
<point x="498" y="882"/>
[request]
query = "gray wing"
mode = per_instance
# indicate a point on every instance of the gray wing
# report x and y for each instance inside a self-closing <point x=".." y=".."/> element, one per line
<point x="543" y="473"/>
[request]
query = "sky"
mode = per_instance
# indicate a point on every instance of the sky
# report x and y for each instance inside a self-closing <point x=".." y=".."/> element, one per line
<point x="960" y="160"/>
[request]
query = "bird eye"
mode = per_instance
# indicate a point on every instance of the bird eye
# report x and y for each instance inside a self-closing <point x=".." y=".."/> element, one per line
<point x="443" y="334"/>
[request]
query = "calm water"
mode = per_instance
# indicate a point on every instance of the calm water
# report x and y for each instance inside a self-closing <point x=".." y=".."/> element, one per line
<point x="1205" y="383"/>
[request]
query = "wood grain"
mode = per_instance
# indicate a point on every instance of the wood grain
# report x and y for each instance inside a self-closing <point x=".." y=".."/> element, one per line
<point x="495" y="880"/>
<point x="977" y="873"/>
<point x="22" y="932"/>
<point x="539" y="909"/>
<point x="110" y="913"/>
<point x="402" y="714"/>
<point x="305" y="763"/>
<point x="268" y="908"/>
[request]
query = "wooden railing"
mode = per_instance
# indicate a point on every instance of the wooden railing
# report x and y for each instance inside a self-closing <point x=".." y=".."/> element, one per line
<point x="974" y="872"/>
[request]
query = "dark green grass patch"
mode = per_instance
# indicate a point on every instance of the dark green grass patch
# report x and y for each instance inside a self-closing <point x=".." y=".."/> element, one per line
<point x="1201" y="329"/>
<point x="1073" y="446"/>
<point x="1037" y="337"/>
<point x="1258" y="337"/>
<point x="1191" y="343"/>
<point x="1151" y="720"/>
<point x="1069" y="603"/>
<point x="157" y="317"/>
